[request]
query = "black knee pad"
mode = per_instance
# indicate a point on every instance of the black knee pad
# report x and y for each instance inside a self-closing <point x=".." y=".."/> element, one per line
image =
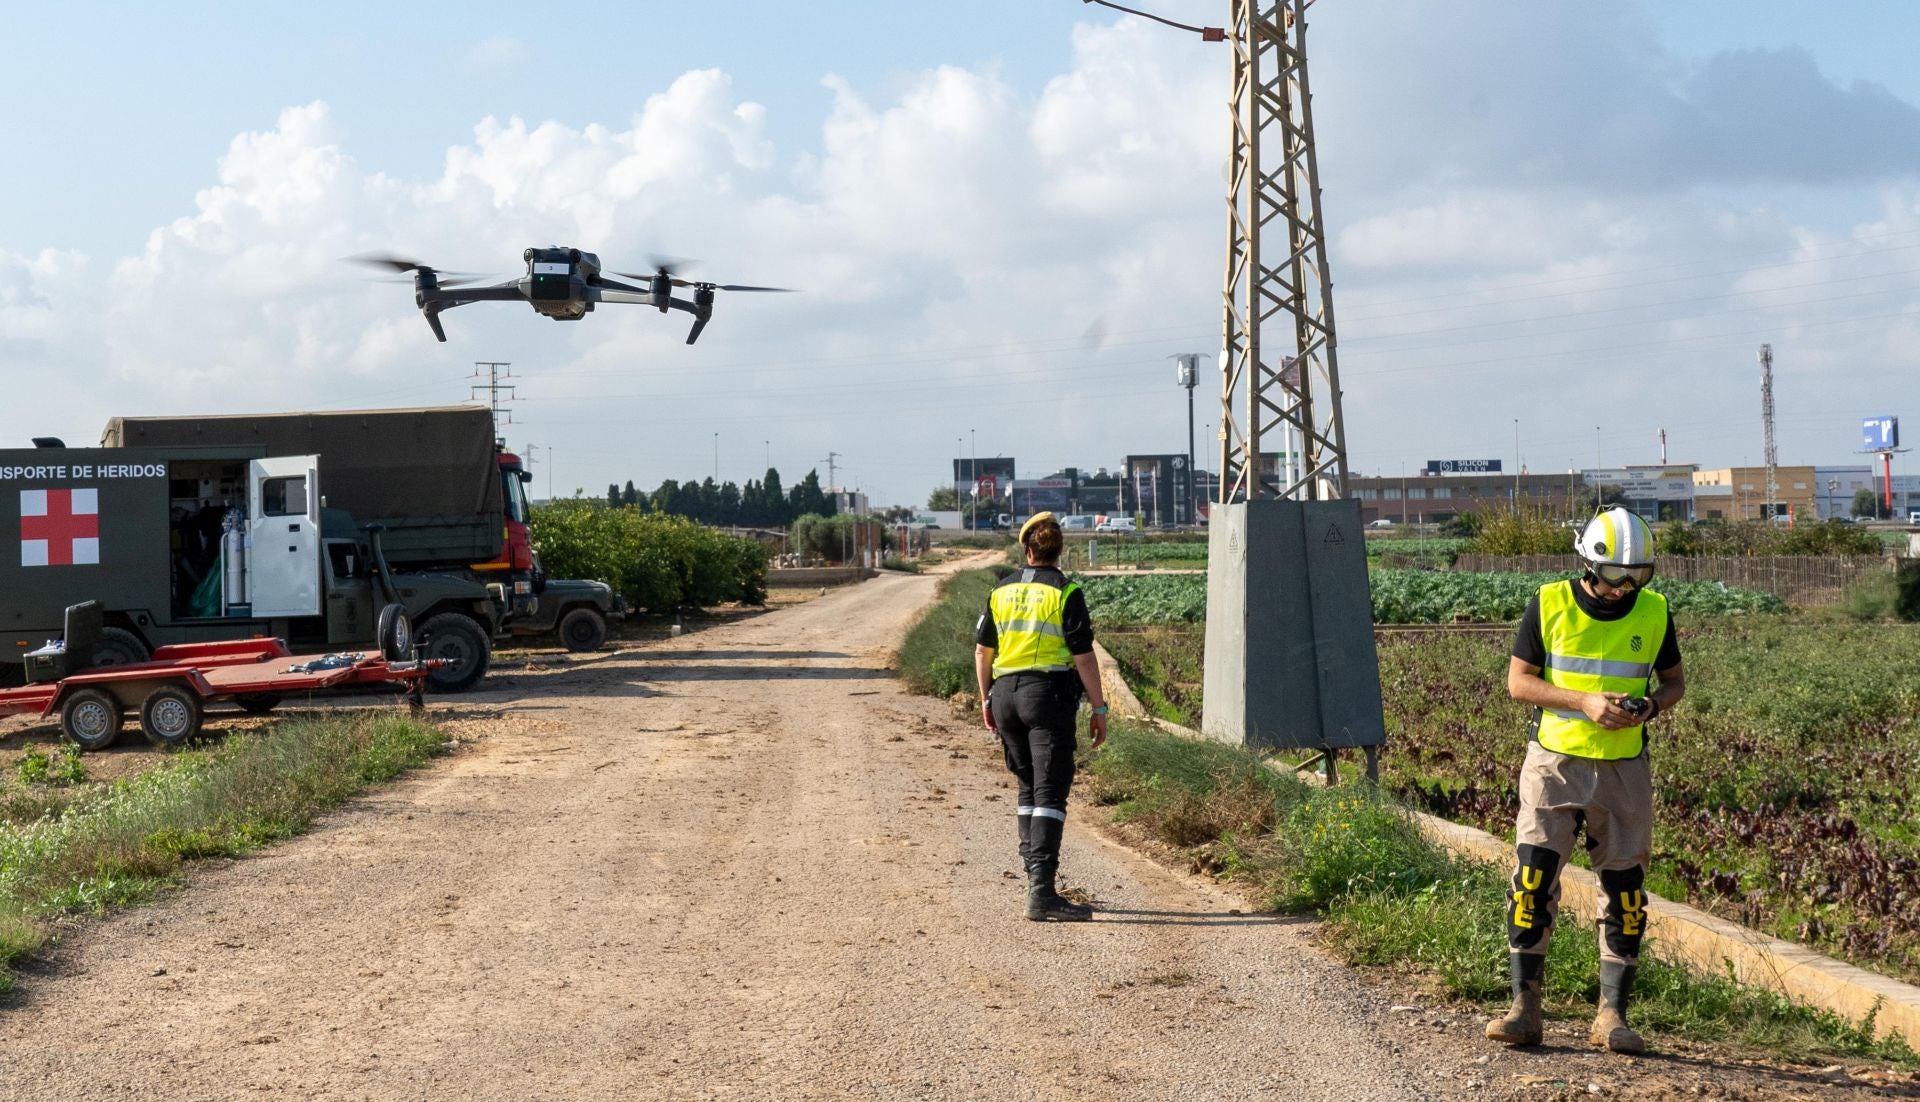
<point x="1533" y="879"/>
<point x="1625" y="921"/>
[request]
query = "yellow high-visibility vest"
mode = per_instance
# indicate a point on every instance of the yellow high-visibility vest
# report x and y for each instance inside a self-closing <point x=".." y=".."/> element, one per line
<point x="1593" y="656"/>
<point x="1027" y="619"/>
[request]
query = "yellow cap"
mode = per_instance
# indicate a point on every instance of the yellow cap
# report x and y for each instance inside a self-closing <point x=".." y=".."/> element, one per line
<point x="1033" y="520"/>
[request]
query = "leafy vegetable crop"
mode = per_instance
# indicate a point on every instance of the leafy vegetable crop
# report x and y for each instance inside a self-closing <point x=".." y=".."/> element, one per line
<point x="1399" y="597"/>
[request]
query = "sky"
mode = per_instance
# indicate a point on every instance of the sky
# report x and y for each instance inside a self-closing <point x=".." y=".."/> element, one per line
<point x="1554" y="229"/>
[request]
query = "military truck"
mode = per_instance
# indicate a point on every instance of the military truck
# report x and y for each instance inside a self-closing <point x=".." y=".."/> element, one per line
<point x="196" y="544"/>
<point x="449" y="497"/>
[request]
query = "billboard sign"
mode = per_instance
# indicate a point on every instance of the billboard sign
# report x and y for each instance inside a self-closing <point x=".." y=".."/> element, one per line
<point x="1880" y="434"/>
<point x="1463" y="466"/>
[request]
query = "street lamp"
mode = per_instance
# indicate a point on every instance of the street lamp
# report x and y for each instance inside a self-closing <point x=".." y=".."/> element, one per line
<point x="716" y="459"/>
<point x="1516" y="465"/>
<point x="1186" y="374"/>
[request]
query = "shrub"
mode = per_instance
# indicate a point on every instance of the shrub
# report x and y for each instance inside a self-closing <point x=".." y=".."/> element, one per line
<point x="657" y="562"/>
<point x="1526" y="532"/>
<point x="936" y="658"/>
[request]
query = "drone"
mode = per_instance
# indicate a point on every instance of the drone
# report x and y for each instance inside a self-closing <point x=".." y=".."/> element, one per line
<point x="562" y="283"/>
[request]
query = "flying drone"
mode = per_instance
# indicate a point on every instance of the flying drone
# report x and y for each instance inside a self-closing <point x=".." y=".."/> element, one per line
<point x="562" y="283"/>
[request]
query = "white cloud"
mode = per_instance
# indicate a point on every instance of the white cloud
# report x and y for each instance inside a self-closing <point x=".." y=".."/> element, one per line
<point x="1524" y="201"/>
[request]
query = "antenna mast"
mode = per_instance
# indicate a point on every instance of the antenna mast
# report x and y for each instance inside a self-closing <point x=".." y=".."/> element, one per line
<point x="1771" y="455"/>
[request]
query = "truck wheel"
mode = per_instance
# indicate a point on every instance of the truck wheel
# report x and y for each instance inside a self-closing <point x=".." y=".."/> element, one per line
<point x="583" y="629"/>
<point x="395" y="634"/>
<point x="464" y="646"/>
<point x="257" y="704"/>
<point x="170" y="716"/>
<point x="91" y="718"/>
<point x="119" y="647"/>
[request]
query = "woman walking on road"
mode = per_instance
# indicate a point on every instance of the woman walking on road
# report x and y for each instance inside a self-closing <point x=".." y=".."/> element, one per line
<point x="1032" y="659"/>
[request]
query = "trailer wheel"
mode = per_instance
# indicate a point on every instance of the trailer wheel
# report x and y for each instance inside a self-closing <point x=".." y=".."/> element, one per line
<point x="119" y="647"/>
<point x="257" y="704"/>
<point x="583" y="629"/>
<point x="395" y="634"/>
<point x="464" y="646"/>
<point x="170" y="716"/>
<point x="91" y="718"/>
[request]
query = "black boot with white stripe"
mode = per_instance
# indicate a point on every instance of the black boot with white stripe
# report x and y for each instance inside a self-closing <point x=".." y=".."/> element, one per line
<point x="1044" y="904"/>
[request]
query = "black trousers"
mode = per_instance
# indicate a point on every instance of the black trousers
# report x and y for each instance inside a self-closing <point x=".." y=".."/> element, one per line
<point x="1035" y="716"/>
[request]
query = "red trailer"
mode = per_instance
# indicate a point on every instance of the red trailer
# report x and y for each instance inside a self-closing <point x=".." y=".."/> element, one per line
<point x="170" y="692"/>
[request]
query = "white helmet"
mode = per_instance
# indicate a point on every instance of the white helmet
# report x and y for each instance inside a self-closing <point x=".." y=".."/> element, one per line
<point x="1617" y="547"/>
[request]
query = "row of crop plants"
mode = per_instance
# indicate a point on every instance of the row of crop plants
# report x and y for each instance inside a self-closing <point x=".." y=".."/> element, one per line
<point x="1783" y="782"/>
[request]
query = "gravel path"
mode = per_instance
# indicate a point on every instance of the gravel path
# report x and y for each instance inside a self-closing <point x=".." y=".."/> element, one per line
<point x="738" y="864"/>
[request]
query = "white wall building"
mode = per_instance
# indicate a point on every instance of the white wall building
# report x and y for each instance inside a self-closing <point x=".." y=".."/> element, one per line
<point x="1834" y="487"/>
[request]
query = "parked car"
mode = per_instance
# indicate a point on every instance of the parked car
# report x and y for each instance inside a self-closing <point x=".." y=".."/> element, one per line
<point x="1116" y="524"/>
<point x="1383" y="522"/>
<point x="1077" y="522"/>
<point x="577" y="610"/>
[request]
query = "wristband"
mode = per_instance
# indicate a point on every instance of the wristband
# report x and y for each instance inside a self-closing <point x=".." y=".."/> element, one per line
<point x="1101" y="710"/>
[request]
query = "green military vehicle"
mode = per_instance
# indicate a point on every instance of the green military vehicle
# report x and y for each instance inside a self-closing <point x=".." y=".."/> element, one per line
<point x="577" y="611"/>
<point x="195" y="544"/>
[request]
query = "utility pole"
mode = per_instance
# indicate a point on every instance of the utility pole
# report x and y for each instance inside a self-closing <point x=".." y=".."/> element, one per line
<point x="1768" y="455"/>
<point x="1290" y="657"/>
<point x="1276" y="200"/>
<point x="831" y="487"/>
<point x="498" y="395"/>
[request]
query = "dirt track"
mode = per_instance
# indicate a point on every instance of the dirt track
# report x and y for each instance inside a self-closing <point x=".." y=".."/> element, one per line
<point x="739" y="864"/>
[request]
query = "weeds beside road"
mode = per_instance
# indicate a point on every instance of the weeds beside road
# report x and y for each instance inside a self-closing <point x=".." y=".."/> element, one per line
<point x="82" y="848"/>
<point x="1389" y="898"/>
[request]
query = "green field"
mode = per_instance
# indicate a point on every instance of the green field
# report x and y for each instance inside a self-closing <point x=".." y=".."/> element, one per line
<point x="1399" y="597"/>
<point x="1783" y="782"/>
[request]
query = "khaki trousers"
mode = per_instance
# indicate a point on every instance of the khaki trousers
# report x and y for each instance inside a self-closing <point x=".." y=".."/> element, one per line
<point x="1562" y="796"/>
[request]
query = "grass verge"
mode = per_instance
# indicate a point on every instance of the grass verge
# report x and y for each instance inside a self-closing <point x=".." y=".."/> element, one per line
<point x="1392" y="899"/>
<point x="936" y="658"/>
<point x="120" y="843"/>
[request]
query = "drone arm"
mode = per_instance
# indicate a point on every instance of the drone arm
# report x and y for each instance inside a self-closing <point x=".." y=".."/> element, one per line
<point x="622" y="294"/>
<point x="449" y="297"/>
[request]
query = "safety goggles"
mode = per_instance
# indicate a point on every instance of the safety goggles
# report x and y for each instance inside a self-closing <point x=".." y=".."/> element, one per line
<point x="1620" y="577"/>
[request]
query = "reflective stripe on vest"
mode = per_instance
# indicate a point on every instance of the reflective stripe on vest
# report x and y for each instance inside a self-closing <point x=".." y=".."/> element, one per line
<point x="1027" y="621"/>
<point x="1597" y="656"/>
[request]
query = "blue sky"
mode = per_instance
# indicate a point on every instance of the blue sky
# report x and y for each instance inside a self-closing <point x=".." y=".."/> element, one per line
<point x="1004" y="216"/>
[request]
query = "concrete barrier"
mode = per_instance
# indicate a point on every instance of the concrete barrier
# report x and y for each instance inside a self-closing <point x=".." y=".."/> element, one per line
<point x="1707" y="943"/>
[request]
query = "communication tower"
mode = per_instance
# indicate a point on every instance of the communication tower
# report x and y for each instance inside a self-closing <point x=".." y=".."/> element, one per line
<point x="1770" y="455"/>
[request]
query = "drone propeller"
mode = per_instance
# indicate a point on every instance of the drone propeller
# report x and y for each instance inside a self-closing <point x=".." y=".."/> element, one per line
<point x="403" y="264"/>
<point x="741" y="287"/>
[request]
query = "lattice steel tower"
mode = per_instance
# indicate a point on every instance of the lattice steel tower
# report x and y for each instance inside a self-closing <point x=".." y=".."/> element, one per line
<point x="1769" y="455"/>
<point x="1277" y="381"/>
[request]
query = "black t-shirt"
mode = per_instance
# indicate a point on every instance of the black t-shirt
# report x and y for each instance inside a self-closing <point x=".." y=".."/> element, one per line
<point x="1075" y="621"/>
<point x="1530" y="646"/>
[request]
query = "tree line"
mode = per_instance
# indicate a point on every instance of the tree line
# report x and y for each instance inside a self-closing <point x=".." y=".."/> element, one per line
<point x="761" y="503"/>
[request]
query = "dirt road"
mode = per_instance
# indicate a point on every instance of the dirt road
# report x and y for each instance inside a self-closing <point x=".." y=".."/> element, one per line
<point x="738" y="864"/>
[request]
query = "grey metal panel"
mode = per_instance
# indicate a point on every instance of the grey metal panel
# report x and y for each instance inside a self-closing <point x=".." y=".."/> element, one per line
<point x="1346" y="659"/>
<point x="1290" y="660"/>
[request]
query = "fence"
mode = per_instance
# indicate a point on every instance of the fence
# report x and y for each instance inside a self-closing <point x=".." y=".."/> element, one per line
<point x="1795" y="579"/>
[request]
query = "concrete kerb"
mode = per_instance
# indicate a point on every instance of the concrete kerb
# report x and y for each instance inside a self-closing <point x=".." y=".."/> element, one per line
<point x="1707" y="943"/>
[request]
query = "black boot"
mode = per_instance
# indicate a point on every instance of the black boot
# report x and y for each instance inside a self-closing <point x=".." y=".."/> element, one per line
<point x="1522" y="1024"/>
<point x="1610" y="1029"/>
<point x="1044" y="904"/>
<point x="1026" y="837"/>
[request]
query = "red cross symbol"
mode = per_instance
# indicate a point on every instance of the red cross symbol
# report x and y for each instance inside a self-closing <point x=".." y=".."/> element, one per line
<point x="59" y="527"/>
